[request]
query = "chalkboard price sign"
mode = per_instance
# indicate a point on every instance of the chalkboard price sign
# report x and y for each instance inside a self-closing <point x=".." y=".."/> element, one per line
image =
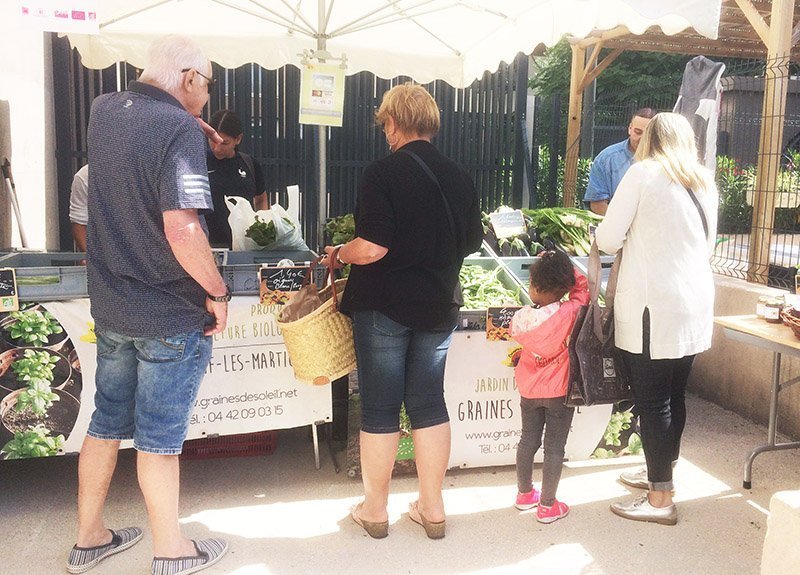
<point x="508" y="224"/>
<point x="9" y="300"/>
<point x="279" y="283"/>
<point x="498" y="322"/>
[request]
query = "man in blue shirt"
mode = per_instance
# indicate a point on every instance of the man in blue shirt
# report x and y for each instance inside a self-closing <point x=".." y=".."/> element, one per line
<point x="157" y="299"/>
<point x="611" y="164"/>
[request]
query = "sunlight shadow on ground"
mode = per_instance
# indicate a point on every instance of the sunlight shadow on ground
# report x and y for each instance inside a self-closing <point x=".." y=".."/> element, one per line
<point x="305" y="519"/>
<point x="570" y="558"/>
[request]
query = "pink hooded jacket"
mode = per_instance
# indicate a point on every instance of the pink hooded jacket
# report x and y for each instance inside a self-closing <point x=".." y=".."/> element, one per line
<point x="543" y="368"/>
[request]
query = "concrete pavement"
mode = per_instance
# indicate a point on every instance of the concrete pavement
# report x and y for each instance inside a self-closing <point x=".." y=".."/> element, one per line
<point x="282" y="516"/>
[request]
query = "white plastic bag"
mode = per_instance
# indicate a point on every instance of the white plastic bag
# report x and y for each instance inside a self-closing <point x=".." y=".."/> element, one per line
<point x="242" y="216"/>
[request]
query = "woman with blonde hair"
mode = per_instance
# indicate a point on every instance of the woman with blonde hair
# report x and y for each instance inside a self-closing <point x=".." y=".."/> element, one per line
<point x="664" y="216"/>
<point x="417" y="216"/>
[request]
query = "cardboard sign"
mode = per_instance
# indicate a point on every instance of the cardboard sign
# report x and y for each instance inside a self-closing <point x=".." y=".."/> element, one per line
<point x="9" y="297"/>
<point x="321" y="94"/>
<point x="498" y="322"/>
<point x="508" y="224"/>
<point x="277" y="284"/>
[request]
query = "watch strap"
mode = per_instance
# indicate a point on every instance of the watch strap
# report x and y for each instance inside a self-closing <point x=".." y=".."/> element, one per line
<point x="221" y="298"/>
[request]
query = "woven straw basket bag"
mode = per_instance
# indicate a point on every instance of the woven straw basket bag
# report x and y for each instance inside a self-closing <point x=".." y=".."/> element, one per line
<point x="320" y="344"/>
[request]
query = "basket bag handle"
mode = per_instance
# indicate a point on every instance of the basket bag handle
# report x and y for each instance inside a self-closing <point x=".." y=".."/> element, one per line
<point x="328" y="263"/>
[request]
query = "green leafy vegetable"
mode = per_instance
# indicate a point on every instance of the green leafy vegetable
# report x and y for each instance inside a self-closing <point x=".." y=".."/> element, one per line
<point x="261" y="232"/>
<point x="567" y="227"/>
<point x="33" y="442"/>
<point x="33" y="326"/>
<point x="37" y="397"/>
<point x="481" y="288"/>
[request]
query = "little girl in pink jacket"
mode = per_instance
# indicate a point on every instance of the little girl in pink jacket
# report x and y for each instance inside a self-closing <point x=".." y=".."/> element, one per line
<point x="541" y="375"/>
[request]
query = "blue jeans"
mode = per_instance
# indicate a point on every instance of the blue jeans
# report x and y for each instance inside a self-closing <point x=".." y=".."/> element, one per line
<point x="658" y="387"/>
<point x="146" y="388"/>
<point x="397" y="364"/>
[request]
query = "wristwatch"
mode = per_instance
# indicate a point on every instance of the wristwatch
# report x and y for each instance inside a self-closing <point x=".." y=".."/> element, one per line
<point x="221" y="298"/>
<point x="338" y="259"/>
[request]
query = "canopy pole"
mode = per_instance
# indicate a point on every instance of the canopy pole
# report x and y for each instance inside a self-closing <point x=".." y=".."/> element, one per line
<point x="574" y="125"/>
<point x="776" y="84"/>
<point x="322" y="138"/>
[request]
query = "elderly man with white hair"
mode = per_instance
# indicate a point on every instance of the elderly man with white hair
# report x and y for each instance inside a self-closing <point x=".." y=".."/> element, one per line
<point x="156" y="299"/>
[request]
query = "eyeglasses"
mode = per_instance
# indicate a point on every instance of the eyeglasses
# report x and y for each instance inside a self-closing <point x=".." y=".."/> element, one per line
<point x="210" y="81"/>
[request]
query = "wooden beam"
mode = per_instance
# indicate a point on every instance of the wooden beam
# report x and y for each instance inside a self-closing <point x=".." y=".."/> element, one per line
<point x="592" y="75"/>
<point x="776" y="84"/>
<point x="601" y="37"/>
<point x="574" y="125"/>
<point x="756" y="21"/>
<point x="591" y="62"/>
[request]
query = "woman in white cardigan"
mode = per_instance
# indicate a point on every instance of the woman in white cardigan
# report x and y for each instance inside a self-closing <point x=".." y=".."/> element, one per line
<point x="664" y="303"/>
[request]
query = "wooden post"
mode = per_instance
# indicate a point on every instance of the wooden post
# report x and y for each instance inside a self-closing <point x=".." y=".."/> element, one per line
<point x="771" y="140"/>
<point x="574" y="125"/>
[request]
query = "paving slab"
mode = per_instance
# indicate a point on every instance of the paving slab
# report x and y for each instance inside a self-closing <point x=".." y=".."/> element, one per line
<point x="284" y="517"/>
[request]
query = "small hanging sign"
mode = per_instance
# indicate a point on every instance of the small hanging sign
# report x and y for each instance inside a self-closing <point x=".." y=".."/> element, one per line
<point x="321" y="94"/>
<point x="498" y="322"/>
<point x="9" y="297"/>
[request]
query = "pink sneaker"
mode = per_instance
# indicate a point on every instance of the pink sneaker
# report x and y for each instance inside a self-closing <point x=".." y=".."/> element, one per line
<point x="528" y="500"/>
<point x="553" y="513"/>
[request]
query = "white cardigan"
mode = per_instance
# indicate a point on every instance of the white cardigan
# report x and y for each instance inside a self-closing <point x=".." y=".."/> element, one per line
<point x="665" y="262"/>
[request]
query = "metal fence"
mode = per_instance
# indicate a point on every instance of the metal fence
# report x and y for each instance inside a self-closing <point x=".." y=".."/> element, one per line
<point x="759" y="221"/>
<point x="481" y="129"/>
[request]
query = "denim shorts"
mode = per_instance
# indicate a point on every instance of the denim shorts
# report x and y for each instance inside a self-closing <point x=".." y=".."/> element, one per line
<point x="146" y="388"/>
<point x="398" y="364"/>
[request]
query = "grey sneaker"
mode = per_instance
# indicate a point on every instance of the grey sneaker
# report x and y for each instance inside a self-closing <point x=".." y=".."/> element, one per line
<point x="641" y="510"/>
<point x="637" y="479"/>
<point x="209" y="551"/>
<point x="81" y="559"/>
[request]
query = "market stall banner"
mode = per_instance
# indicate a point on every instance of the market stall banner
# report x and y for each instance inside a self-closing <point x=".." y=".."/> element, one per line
<point x="483" y="403"/>
<point x="249" y="384"/>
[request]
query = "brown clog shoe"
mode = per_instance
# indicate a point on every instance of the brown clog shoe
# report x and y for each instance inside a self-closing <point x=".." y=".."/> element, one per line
<point x="433" y="529"/>
<point x="375" y="529"/>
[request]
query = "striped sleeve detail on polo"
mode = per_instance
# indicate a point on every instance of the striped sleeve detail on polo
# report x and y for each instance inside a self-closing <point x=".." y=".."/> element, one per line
<point x="195" y="184"/>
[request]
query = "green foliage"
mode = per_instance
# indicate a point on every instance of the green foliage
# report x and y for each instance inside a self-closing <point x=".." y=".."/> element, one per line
<point x="543" y="179"/>
<point x="620" y="422"/>
<point x="37" y="397"/>
<point x="632" y="77"/>
<point x="341" y="229"/>
<point x="33" y="326"/>
<point x="35" y="366"/>
<point x="33" y="442"/>
<point x="736" y="181"/>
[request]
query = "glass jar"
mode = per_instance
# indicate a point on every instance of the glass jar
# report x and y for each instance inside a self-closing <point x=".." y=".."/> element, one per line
<point x="760" y="305"/>
<point x="772" y="310"/>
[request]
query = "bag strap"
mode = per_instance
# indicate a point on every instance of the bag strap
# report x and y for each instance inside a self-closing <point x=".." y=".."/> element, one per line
<point x="433" y="177"/>
<point x="595" y="278"/>
<point x="248" y="161"/>
<point x="699" y="209"/>
<point x="328" y="263"/>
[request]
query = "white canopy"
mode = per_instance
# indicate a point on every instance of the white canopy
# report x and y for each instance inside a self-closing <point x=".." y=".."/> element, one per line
<point x="452" y="40"/>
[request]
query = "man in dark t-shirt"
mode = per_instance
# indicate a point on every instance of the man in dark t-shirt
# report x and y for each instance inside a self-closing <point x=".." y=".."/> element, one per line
<point x="237" y="176"/>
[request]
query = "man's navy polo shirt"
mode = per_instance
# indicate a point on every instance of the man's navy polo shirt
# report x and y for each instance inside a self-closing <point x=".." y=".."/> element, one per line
<point x="607" y="171"/>
<point x="147" y="156"/>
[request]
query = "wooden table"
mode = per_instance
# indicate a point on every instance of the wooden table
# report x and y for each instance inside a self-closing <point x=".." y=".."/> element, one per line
<point x="779" y="339"/>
